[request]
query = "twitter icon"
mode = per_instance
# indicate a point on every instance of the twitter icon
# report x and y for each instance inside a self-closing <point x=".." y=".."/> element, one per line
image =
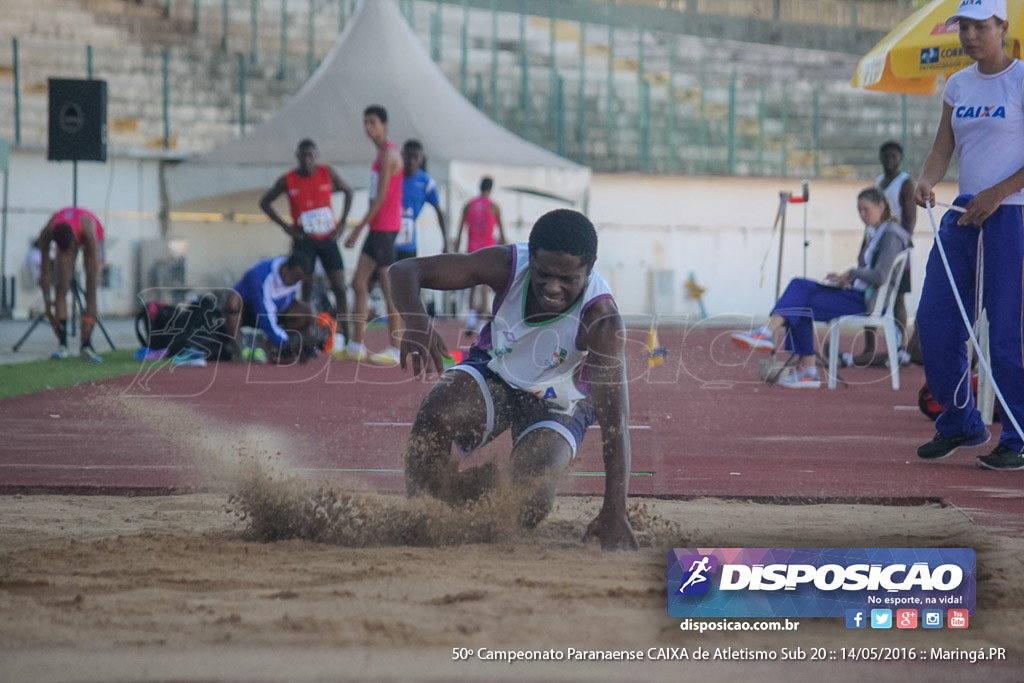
<point x="881" y="618"/>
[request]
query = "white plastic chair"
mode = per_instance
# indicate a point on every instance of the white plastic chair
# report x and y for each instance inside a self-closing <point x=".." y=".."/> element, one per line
<point x="880" y="316"/>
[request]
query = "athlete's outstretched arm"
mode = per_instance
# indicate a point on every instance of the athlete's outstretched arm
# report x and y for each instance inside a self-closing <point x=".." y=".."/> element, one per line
<point x="605" y="338"/>
<point x="491" y="267"/>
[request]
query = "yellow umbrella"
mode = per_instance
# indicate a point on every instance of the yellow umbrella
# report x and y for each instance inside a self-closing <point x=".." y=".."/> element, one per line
<point x="914" y="54"/>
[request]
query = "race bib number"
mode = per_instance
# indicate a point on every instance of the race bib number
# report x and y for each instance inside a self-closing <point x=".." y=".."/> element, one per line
<point x="317" y="222"/>
<point x="407" y="233"/>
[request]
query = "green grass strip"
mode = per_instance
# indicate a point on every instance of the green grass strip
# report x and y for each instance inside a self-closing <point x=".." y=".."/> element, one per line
<point x="26" y="378"/>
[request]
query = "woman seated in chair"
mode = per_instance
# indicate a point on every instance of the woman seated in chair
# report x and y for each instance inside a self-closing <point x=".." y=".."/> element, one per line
<point x="849" y="293"/>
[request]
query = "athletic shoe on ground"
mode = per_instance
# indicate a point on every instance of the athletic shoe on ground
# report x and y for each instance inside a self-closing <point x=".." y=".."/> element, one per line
<point x="754" y="340"/>
<point x="257" y="355"/>
<point x="350" y="352"/>
<point x="1002" y="458"/>
<point x="146" y="353"/>
<point x="190" y="358"/>
<point x="802" y="379"/>
<point x="387" y="357"/>
<point x="61" y="353"/>
<point x="902" y="356"/>
<point x="941" y="446"/>
<point x="87" y="354"/>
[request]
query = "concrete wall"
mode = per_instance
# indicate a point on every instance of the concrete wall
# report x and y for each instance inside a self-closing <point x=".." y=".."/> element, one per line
<point x="717" y="228"/>
<point x="720" y="230"/>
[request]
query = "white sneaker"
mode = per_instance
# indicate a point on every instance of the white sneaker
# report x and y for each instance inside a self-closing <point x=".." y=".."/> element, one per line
<point x="754" y="340"/>
<point x="61" y="353"/>
<point x="802" y="378"/>
<point x="902" y="356"/>
<point x="351" y="351"/>
<point x="388" y="357"/>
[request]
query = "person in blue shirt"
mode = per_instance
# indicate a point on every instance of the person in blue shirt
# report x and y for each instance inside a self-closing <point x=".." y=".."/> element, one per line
<point x="418" y="188"/>
<point x="267" y="298"/>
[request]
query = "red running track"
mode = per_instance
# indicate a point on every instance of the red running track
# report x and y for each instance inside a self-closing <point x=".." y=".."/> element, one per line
<point x="702" y="425"/>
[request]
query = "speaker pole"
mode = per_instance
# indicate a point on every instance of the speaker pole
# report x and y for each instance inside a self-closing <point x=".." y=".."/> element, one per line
<point x="74" y="183"/>
<point x="6" y="304"/>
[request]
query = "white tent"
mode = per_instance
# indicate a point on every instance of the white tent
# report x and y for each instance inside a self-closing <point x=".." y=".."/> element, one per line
<point x="378" y="59"/>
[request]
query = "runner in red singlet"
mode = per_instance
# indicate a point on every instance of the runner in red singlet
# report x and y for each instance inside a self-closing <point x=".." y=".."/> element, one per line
<point x="313" y="229"/>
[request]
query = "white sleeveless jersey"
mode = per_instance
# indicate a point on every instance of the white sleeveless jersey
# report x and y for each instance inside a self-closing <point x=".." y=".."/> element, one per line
<point x="541" y="358"/>
<point x="892" y="193"/>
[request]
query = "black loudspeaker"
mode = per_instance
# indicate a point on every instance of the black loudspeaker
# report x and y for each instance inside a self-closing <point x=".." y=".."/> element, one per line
<point x="78" y="120"/>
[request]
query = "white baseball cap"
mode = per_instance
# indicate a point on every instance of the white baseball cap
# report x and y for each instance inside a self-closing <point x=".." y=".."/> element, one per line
<point x="979" y="10"/>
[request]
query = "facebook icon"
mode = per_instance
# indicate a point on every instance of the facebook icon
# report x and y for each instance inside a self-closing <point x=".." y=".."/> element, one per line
<point x="856" y="618"/>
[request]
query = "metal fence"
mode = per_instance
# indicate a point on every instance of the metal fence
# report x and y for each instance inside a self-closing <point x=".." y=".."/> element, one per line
<point x="573" y="76"/>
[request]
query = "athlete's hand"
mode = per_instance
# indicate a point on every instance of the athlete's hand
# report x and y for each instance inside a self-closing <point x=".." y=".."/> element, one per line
<point x="350" y="241"/>
<point x="980" y="208"/>
<point x="422" y="347"/>
<point x="339" y="228"/>
<point x="924" y="195"/>
<point x="613" y="530"/>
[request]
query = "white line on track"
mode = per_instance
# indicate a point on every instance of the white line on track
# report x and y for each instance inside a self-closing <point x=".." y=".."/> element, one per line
<point x="409" y="424"/>
<point x="38" y="466"/>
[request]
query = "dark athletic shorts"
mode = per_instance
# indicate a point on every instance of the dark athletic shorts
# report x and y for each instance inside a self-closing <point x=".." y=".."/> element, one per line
<point x="325" y="250"/>
<point x="905" y="282"/>
<point x="525" y="413"/>
<point x="380" y="246"/>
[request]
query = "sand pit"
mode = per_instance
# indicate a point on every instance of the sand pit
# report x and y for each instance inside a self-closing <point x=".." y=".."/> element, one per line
<point x="157" y="588"/>
<point x="368" y="586"/>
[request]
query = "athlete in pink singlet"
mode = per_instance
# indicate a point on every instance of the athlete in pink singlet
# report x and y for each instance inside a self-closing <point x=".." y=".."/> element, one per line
<point x="384" y="218"/>
<point x="479" y="217"/>
<point x="71" y="229"/>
